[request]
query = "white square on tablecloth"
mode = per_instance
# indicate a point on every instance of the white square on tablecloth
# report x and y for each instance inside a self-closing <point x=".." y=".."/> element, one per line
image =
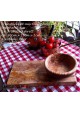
<point x="72" y="88"/>
<point x="5" y="69"/>
<point x="55" y="90"/>
<point x="61" y="87"/>
<point x="2" y="63"/>
<point x="33" y="88"/>
<point x="9" y="63"/>
<point x="44" y="89"/>
<point x="78" y="84"/>
<point x="3" y="66"/>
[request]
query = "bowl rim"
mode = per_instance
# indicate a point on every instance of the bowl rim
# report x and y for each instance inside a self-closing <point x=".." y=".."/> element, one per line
<point x="66" y="73"/>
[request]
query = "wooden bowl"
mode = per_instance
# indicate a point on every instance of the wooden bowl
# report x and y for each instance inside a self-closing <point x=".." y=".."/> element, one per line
<point x="60" y="65"/>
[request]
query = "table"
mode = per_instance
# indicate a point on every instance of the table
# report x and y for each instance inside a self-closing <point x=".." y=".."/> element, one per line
<point x="19" y="52"/>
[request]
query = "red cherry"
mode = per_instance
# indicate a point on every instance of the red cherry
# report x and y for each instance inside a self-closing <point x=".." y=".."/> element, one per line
<point x="42" y="43"/>
<point x="45" y="51"/>
<point x="49" y="45"/>
<point x="51" y="39"/>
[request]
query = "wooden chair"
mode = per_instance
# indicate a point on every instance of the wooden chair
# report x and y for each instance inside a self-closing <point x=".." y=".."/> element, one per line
<point x="78" y="35"/>
<point x="2" y="86"/>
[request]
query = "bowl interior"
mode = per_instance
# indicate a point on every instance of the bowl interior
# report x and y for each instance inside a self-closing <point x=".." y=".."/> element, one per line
<point x="60" y="63"/>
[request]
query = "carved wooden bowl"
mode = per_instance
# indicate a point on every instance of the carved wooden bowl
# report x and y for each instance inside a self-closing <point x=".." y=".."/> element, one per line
<point x="60" y="65"/>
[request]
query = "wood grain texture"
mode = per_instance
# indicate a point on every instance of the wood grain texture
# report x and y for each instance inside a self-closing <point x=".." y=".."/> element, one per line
<point x="33" y="73"/>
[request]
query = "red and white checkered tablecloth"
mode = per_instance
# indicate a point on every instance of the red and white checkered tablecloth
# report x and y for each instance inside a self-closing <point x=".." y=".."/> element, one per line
<point x="19" y="52"/>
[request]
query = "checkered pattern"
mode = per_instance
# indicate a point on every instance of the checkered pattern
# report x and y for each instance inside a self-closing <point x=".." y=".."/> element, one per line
<point x="19" y="52"/>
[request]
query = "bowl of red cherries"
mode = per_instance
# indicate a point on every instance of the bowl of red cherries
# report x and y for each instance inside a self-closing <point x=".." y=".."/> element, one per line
<point x="49" y="46"/>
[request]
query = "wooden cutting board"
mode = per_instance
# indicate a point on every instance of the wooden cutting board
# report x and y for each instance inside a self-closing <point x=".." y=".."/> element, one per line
<point x="33" y="73"/>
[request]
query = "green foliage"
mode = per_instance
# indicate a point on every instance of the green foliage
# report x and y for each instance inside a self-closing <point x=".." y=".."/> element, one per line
<point x="58" y="27"/>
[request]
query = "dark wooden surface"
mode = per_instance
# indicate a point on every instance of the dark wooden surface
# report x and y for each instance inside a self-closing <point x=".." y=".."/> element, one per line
<point x="33" y="73"/>
<point x="2" y="88"/>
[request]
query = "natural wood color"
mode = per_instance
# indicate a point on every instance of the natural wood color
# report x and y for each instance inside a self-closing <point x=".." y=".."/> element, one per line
<point x="33" y="73"/>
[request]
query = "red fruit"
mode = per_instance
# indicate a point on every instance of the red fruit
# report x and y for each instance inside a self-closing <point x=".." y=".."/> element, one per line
<point x="33" y="42"/>
<point x="46" y="54"/>
<point x="45" y="51"/>
<point x="42" y="43"/>
<point x="51" y="39"/>
<point x="49" y="45"/>
<point x="55" y="45"/>
<point x="58" y="41"/>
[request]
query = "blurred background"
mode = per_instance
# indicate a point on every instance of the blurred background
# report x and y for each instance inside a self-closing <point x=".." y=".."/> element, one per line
<point x="13" y="31"/>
